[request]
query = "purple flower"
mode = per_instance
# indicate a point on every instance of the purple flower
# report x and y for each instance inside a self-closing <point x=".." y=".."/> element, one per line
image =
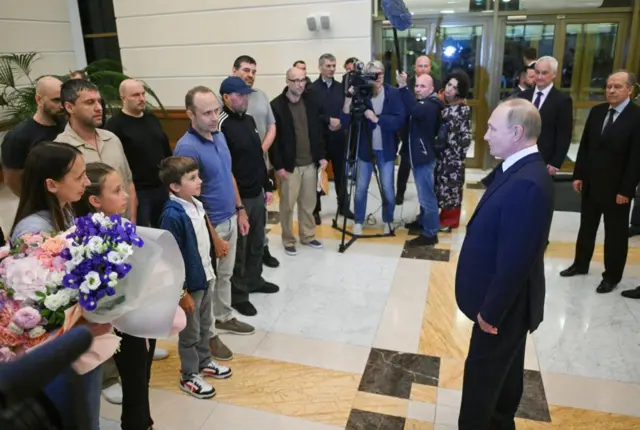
<point x="70" y="281"/>
<point x="88" y="301"/>
<point x="27" y="318"/>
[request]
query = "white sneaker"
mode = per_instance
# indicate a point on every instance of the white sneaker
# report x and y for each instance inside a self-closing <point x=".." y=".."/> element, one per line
<point x="387" y="229"/>
<point x="357" y="229"/>
<point x="197" y="387"/>
<point x="160" y="354"/>
<point x="113" y="394"/>
<point x="216" y="370"/>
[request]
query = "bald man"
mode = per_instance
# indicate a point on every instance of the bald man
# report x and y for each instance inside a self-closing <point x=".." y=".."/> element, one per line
<point x="145" y="145"/>
<point x="422" y="67"/>
<point x="45" y="125"/>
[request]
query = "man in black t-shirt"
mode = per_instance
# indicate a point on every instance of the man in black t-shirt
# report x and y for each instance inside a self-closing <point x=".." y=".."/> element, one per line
<point x="45" y="125"/>
<point x="145" y="145"/>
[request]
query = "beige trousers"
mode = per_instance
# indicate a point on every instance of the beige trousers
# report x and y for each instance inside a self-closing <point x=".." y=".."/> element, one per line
<point x="298" y="187"/>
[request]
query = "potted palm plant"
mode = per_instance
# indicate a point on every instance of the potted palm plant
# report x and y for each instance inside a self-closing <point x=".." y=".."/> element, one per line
<point x="17" y="86"/>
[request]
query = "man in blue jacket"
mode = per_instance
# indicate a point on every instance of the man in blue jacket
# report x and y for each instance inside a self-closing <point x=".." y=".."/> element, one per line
<point x="424" y="118"/>
<point x="500" y="281"/>
<point x="384" y="117"/>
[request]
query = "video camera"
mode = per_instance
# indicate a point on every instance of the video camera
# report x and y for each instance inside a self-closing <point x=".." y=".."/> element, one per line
<point x="361" y="82"/>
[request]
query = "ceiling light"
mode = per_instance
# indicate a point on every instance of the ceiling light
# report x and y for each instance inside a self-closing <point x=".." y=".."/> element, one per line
<point x="447" y="11"/>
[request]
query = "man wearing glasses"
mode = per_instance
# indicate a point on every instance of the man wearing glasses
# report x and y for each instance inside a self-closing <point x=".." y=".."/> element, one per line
<point x="297" y="152"/>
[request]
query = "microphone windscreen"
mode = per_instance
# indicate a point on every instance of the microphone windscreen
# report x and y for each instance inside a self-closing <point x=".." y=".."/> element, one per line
<point x="397" y="13"/>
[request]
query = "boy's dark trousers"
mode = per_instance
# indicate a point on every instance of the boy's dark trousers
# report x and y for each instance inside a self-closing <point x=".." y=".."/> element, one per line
<point x="247" y="272"/>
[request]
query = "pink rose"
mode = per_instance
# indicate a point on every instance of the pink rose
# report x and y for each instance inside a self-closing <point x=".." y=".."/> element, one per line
<point x="46" y="260"/>
<point x="26" y="277"/>
<point x="27" y="318"/>
<point x="54" y="245"/>
<point x="9" y="338"/>
<point x="6" y="354"/>
<point x="31" y="239"/>
<point x="4" y="251"/>
<point x="58" y="264"/>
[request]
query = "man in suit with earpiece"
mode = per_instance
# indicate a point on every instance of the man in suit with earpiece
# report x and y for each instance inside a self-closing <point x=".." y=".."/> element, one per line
<point x="556" y="112"/>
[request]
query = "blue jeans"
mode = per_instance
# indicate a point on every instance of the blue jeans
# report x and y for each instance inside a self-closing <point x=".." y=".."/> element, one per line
<point x="423" y="176"/>
<point x="365" y="170"/>
<point x="60" y="392"/>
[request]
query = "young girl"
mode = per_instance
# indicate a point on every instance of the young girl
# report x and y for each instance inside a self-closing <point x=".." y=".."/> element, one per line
<point x="54" y="178"/>
<point x="107" y="194"/>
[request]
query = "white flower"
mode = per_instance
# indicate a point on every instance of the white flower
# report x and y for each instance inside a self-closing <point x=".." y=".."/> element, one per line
<point x="124" y="249"/>
<point x="36" y="332"/>
<point x="113" y="276"/>
<point x="98" y="218"/>
<point x="112" y="284"/>
<point x="55" y="301"/>
<point x="14" y="328"/>
<point x="75" y="261"/>
<point x="95" y="246"/>
<point x="55" y="278"/>
<point x="91" y="282"/>
<point x="76" y="251"/>
<point x="115" y="258"/>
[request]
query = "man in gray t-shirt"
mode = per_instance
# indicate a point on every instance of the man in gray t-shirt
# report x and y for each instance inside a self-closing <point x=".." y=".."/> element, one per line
<point x="260" y="109"/>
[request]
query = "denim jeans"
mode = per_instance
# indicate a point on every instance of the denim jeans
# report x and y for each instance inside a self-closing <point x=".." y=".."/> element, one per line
<point x="61" y="393"/>
<point x="423" y="176"/>
<point x="365" y="170"/>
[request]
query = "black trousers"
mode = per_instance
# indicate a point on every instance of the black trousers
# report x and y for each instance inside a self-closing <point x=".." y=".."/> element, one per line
<point x="403" y="175"/>
<point x="134" y="365"/>
<point x="247" y="272"/>
<point x="150" y="206"/>
<point x="635" y="213"/>
<point x="616" y="236"/>
<point x="494" y="374"/>
<point x="335" y="154"/>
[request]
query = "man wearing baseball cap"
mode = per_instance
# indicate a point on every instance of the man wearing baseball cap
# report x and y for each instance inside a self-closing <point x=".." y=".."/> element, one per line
<point x="255" y="189"/>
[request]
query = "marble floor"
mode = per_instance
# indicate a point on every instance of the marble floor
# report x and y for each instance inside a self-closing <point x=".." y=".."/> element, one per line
<point x="372" y="339"/>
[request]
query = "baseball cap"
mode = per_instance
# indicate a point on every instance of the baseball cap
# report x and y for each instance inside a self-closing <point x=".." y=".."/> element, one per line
<point x="234" y="84"/>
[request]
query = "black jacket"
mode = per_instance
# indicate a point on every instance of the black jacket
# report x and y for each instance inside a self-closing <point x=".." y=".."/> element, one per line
<point x="608" y="163"/>
<point x="557" y="125"/>
<point x="245" y="145"/>
<point x="283" y="151"/>
<point x="332" y="102"/>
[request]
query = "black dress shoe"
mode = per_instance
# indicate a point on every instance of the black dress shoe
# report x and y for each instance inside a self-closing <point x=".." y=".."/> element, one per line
<point x="572" y="271"/>
<point x="634" y="230"/>
<point x="245" y="308"/>
<point x="316" y="217"/>
<point x="605" y="287"/>
<point x="632" y="294"/>
<point x="268" y="259"/>
<point x="268" y="288"/>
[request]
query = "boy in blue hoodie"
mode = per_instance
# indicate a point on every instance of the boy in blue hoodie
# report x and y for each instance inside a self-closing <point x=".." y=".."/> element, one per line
<point x="184" y="217"/>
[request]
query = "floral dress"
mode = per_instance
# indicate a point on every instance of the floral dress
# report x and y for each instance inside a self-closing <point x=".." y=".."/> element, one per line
<point x="449" y="171"/>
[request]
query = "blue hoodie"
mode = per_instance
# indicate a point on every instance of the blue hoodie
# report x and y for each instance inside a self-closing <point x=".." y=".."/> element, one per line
<point x="175" y="220"/>
<point x="424" y="119"/>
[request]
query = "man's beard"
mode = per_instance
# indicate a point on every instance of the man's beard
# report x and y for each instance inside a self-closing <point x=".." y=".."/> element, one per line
<point x="58" y="117"/>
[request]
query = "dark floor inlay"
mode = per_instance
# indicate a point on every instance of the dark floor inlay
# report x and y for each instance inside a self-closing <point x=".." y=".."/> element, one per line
<point x="533" y="405"/>
<point x="475" y="186"/>
<point x="391" y="373"/>
<point x="425" y="253"/>
<point x="273" y="217"/>
<point x="363" y="420"/>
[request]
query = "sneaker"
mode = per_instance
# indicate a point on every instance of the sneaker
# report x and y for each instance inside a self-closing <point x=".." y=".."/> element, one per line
<point x="268" y="259"/>
<point x="357" y="230"/>
<point x="113" y="394"/>
<point x="219" y="350"/>
<point x="290" y="250"/>
<point x="245" y="308"/>
<point x="314" y="244"/>
<point x="160" y="354"/>
<point x="267" y="288"/>
<point x="387" y="229"/>
<point x="197" y="387"/>
<point x="234" y="326"/>
<point x="216" y="370"/>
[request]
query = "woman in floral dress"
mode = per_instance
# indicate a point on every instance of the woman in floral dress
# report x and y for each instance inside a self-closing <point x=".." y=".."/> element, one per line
<point x="450" y="166"/>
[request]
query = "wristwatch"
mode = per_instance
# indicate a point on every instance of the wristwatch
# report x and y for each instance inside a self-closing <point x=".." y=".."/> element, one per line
<point x="239" y="208"/>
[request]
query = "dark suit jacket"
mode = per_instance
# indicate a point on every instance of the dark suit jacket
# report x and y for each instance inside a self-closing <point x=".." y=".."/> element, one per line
<point x="332" y="102"/>
<point x="557" y="125"/>
<point x="502" y="257"/>
<point x="609" y="163"/>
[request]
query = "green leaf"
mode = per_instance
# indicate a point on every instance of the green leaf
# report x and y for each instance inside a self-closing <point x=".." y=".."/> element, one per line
<point x="40" y="294"/>
<point x="45" y="313"/>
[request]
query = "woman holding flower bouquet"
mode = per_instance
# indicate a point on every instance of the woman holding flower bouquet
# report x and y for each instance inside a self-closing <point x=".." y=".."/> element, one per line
<point x="55" y="177"/>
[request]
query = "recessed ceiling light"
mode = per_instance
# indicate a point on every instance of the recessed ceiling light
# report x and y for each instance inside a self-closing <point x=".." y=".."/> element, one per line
<point x="447" y="11"/>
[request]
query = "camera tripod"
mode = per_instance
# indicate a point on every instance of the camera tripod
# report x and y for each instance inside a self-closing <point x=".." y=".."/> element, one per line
<point x="357" y="129"/>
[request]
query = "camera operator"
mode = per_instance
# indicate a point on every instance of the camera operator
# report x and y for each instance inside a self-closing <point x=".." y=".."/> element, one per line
<point x="424" y="113"/>
<point x="384" y="117"/>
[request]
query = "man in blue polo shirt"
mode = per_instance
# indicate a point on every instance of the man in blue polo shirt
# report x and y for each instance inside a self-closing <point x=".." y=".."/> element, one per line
<point x="221" y="201"/>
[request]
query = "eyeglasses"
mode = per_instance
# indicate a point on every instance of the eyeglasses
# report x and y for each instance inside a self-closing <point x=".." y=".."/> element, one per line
<point x="297" y="81"/>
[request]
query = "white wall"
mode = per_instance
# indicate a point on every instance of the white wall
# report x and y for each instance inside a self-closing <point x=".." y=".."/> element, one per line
<point x="174" y="45"/>
<point x="41" y="26"/>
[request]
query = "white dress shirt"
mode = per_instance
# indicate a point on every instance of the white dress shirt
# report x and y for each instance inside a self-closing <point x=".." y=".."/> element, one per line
<point x="514" y="158"/>
<point x="545" y="93"/>
<point x="617" y="111"/>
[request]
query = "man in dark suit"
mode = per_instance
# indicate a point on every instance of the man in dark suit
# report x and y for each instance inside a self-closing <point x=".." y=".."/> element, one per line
<point x="526" y="80"/>
<point x="606" y="175"/>
<point x="556" y="111"/>
<point x="500" y="281"/>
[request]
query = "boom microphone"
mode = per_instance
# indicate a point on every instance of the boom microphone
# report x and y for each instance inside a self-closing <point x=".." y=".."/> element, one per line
<point x="401" y="19"/>
<point x="25" y="377"/>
